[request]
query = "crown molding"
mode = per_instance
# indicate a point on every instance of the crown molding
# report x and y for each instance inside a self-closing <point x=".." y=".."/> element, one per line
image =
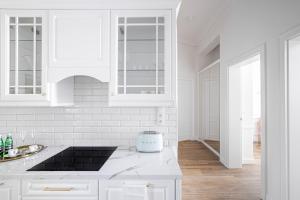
<point x="89" y="4"/>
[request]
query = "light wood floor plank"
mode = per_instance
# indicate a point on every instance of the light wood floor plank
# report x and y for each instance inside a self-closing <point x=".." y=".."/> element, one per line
<point x="205" y="178"/>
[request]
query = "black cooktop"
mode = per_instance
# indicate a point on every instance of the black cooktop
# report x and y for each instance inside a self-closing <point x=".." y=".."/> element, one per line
<point x="76" y="159"/>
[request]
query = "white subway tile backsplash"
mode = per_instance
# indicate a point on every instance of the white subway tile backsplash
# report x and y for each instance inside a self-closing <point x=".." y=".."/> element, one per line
<point x="110" y="123"/>
<point x="86" y="123"/>
<point x="25" y="117"/>
<point x="150" y="123"/>
<point x="63" y="116"/>
<point x="8" y="117"/>
<point x="130" y="123"/>
<point x="3" y="123"/>
<point x="120" y="117"/>
<point x="172" y="117"/>
<point x="89" y="122"/>
<point x="148" y="110"/>
<point x="39" y="116"/>
<point x="111" y="110"/>
<point x="130" y="110"/>
<point x="139" y="117"/>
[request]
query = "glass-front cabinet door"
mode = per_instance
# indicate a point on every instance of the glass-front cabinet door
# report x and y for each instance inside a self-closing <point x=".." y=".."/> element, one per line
<point x="141" y="57"/>
<point x="23" y="70"/>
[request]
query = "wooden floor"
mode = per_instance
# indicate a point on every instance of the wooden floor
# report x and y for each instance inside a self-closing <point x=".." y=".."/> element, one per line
<point x="205" y="178"/>
<point x="214" y="144"/>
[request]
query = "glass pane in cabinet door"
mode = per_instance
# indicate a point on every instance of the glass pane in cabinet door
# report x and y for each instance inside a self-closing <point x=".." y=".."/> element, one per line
<point x="121" y="32"/>
<point x="161" y="20"/>
<point x="141" y="56"/>
<point x="24" y="90"/>
<point x="161" y="58"/>
<point x="140" y="90"/>
<point x="38" y="20"/>
<point x="25" y="20"/>
<point x="38" y="72"/>
<point x="141" y="20"/>
<point x="12" y="20"/>
<point x="12" y="57"/>
<point x="25" y="59"/>
<point x="121" y="90"/>
<point x="38" y="90"/>
<point x="161" y="90"/>
<point x="12" y="90"/>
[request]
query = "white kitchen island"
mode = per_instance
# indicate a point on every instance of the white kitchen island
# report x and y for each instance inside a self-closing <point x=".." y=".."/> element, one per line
<point x="127" y="174"/>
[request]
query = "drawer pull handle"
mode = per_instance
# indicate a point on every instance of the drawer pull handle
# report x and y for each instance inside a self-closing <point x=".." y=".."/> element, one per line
<point x="52" y="189"/>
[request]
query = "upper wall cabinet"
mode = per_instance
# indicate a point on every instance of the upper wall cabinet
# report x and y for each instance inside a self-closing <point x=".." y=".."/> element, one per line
<point x="23" y="55"/>
<point x="141" y="58"/>
<point x="79" y="44"/>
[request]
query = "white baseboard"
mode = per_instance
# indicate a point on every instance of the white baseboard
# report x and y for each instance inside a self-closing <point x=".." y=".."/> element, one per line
<point x="186" y="137"/>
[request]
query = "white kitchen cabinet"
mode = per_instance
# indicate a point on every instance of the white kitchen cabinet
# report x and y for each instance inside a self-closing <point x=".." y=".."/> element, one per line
<point x="79" y="44"/>
<point x="141" y="58"/>
<point x="9" y="189"/>
<point x="137" y="190"/>
<point x="60" y="189"/>
<point x="24" y="56"/>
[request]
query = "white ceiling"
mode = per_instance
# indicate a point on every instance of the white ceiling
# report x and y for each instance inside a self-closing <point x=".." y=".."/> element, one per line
<point x="197" y="17"/>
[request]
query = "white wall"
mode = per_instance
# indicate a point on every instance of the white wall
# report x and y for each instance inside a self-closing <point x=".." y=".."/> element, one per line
<point x="187" y="88"/>
<point x="248" y="25"/>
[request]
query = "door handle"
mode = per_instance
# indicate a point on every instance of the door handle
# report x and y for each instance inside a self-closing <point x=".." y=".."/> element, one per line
<point x="54" y="189"/>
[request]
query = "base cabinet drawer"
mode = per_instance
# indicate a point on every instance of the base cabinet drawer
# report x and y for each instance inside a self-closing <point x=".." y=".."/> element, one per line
<point x="60" y="189"/>
<point x="137" y="190"/>
<point x="9" y="189"/>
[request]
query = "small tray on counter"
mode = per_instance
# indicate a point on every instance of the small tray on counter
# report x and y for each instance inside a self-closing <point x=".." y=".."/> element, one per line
<point x="23" y="153"/>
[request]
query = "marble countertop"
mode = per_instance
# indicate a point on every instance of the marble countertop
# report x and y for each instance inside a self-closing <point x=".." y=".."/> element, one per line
<point x="124" y="163"/>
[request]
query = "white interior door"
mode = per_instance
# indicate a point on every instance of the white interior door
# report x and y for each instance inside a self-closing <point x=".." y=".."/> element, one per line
<point x="234" y="118"/>
<point x="185" y="109"/>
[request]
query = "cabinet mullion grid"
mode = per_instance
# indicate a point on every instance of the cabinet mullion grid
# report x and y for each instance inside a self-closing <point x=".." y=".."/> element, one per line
<point x="156" y="24"/>
<point x="16" y="71"/>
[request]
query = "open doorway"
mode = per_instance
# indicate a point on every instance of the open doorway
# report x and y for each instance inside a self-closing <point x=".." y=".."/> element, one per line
<point x="250" y="110"/>
<point x="246" y="116"/>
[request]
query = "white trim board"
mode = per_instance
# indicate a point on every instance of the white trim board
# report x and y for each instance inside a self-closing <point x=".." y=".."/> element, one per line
<point x="285" y="137"/>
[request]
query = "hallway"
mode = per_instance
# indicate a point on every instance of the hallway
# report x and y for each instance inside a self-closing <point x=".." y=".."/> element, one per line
<point x="205" y="178"/>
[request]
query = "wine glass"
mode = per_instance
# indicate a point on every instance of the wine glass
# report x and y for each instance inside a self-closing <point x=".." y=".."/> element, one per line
<point x="22" y="134"/>
<point x="33" y="136"/>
